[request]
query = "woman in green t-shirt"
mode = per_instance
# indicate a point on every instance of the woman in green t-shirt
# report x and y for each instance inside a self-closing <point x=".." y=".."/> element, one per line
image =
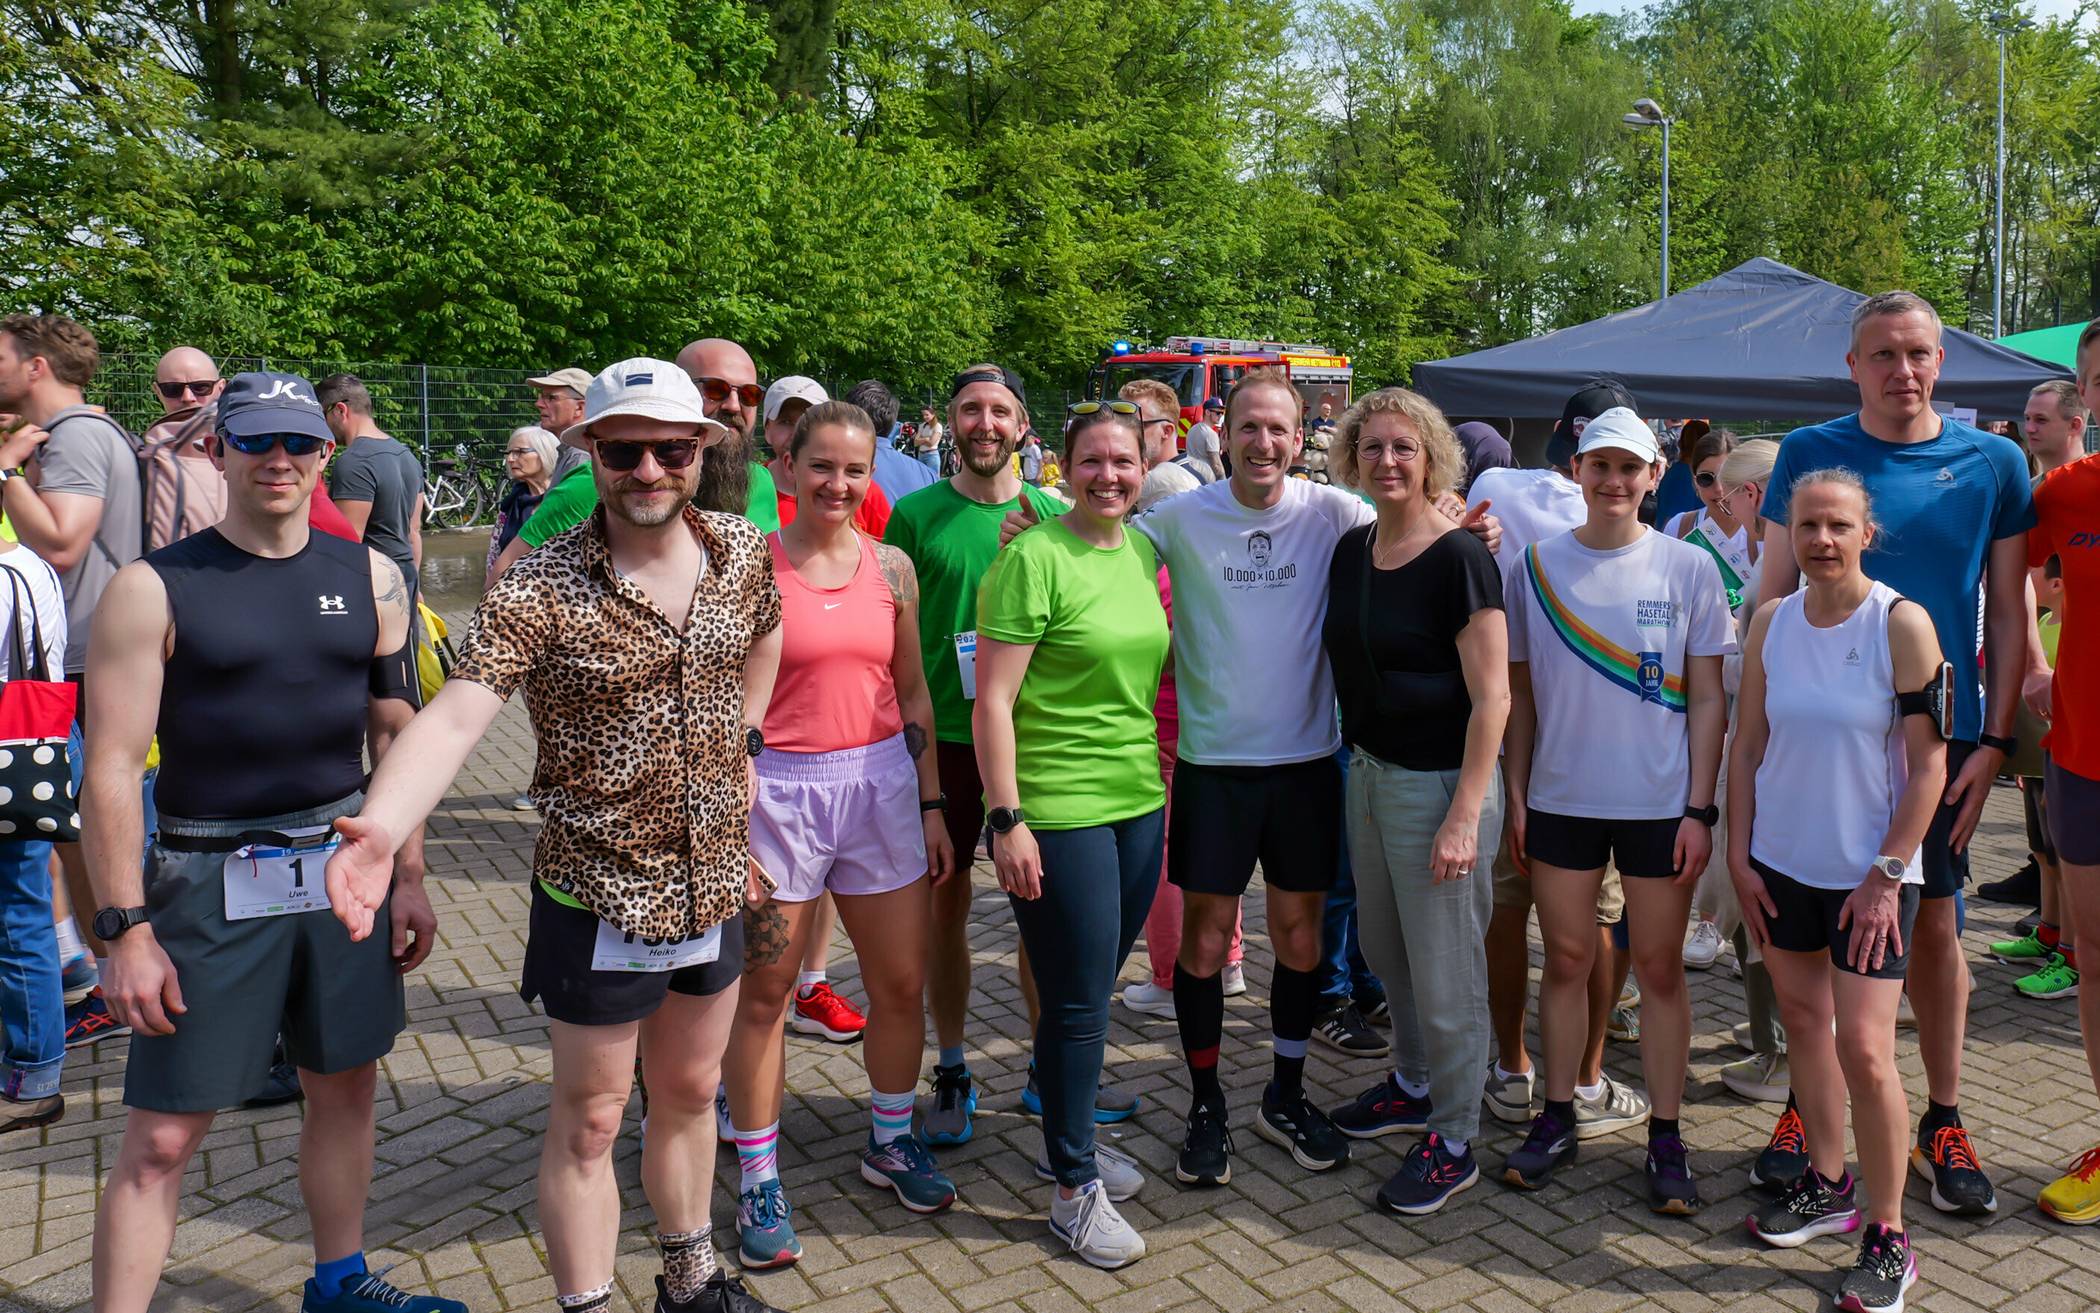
<point x="1071" y="640"/>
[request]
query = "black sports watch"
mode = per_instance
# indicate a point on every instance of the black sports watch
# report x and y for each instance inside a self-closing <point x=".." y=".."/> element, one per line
<point x="1709" y="815"/>
<point x="933" y="804"/>
<point x="2008" y="746"/>
<point x="1002" y="819"/>
<point x="754" y="741"/>
<point x="111" y="922"/>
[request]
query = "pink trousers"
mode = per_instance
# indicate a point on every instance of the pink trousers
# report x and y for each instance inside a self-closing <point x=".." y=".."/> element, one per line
<point x="1163" y="925"/>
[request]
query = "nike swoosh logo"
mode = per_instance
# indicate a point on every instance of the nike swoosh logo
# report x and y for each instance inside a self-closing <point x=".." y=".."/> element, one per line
<point x="833" y="606"/>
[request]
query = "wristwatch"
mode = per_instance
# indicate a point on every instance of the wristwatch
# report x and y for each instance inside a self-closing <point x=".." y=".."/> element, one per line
<point x="2008" y="746"/>
<point x="1891" y="867"/>
<point x="754" y="741"/>
<point x="1709" y="815"/>
<point x="933" y="804"/>
<point x="111" y="922"/>
<point x="1002" y="819"/>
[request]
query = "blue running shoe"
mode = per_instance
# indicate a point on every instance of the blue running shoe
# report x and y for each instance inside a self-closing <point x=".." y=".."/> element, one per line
<point x="1111" y="1105"/>
<point x="373" y="1293"/>
<point x="904" y="1165"/>
<point x="765" y="1235"/>
<point x="954" y="1104"/>
<point x="1384" y="1109"/>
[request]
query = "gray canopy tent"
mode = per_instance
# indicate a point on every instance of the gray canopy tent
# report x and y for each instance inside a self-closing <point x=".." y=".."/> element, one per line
<point x="1760" y="341"/>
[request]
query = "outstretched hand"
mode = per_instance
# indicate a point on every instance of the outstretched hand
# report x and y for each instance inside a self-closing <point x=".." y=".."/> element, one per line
<point x="359" y="874"/>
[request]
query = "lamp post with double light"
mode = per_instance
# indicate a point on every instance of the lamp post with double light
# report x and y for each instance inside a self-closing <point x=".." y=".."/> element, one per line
<point x="1648" y="114"/>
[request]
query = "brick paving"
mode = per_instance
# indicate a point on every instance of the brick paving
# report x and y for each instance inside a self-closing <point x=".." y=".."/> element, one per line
<point x="462" y="1101"/>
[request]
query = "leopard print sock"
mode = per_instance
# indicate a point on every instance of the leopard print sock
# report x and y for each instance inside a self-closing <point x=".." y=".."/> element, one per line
<point x="590" y="1301"/>
<point x="689" y="1260"/>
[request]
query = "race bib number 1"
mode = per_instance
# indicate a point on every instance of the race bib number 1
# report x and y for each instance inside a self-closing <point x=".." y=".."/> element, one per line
<point x="264" y="880"/>
<point x="618" y="950"/>
<point x="966" y="663"/>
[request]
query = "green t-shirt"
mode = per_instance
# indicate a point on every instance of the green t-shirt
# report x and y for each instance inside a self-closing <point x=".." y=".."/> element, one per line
<point x="571" y="501"/>
<point x="1086" y="743"/>
<point x="951" y="541"/>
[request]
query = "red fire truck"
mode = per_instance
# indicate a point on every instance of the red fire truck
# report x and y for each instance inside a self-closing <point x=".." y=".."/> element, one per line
<point x="1198" y="368"/>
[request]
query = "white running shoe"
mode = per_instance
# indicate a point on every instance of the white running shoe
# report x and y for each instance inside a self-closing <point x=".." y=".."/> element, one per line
<point x="1235" y="978"/>
<point x="1120" y="1174"/>
<point x="1089" y="1222"/>
<point x="1148" y="999"/>
<point x="1615" y="1108"/>
<point x="1760" y="1080"/>
<point x="1703" y="946"/>
<point x="1509" y="1097"/>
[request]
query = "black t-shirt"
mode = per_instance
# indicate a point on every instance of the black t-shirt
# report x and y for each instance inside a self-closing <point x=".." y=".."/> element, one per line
<point x="1412" y="710"/>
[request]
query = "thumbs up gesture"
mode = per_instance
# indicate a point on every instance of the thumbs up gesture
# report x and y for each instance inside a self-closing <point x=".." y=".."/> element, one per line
<point x="1477" y="520"/>
<point x="1021" y="517"/>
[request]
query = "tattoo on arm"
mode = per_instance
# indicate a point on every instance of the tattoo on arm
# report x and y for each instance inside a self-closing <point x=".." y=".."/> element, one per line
<point x="915" y="740"/>
<point x="897" y="571"/>
<point x="394" y="591"/>
<point x="765" y="935"/>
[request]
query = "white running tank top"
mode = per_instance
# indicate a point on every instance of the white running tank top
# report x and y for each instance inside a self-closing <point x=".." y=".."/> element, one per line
<point x="1834" y="764"/>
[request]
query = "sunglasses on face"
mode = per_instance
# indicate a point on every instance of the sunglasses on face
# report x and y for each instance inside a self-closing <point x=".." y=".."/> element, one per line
<point x="1096" y="407"/>
<point x="1706" y="478"/>
<point x="175" y="391"/>
<point x="621" y="457"/>
<point x="257" y="444"/>
<point x="716" y="391"/>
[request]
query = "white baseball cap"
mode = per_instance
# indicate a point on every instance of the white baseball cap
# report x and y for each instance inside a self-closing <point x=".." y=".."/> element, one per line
<point x="1623" y="430"/>
<point x="795" y="387"/>
<point x="654" y="389"/>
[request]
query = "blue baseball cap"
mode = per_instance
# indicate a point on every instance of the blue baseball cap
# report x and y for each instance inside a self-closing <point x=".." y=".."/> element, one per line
<point x="263" y="402"/>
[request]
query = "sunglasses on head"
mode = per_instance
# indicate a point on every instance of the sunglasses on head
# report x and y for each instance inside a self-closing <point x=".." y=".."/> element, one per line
<point x="621" y="457"/>
<point x="718" y="391"/>
<point x="175" y="391"/>
<point x="256" y="444"/>
<point x="1096" y="407"/>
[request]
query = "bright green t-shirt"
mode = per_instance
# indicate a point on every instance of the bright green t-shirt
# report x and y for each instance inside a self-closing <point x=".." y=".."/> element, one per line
<point x="951" y="541"/>
<point x="571" y="501"/>
<point x="1086" y="743"/>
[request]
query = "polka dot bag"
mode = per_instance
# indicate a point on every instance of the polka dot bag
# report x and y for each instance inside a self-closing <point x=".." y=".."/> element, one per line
<point x="36" y="716"/>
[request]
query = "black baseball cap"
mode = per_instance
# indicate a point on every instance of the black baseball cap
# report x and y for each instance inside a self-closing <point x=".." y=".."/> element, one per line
<point x="264" y="402"/>
<point x="1590" y="400"/>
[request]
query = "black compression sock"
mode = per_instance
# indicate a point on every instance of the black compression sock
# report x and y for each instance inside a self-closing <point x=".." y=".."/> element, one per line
<point x="1199" y="1012"/>
<point x="1294" y="1000"/>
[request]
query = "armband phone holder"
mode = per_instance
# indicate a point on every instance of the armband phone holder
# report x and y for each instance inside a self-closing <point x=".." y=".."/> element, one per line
<point x="1935" y="700"/>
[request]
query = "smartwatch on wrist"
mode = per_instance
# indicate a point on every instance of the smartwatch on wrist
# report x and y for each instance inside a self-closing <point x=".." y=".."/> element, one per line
<point x="754" y="741"/>
<point x="111" y="922"/>
<point x="2004" y="744"/>
<point x="1709" y="815"/>
<point x="1892" y="868"/>
<point x="1003" y="819"/>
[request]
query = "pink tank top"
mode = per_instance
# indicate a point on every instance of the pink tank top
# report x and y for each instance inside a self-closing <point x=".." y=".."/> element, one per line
<point x="834" y="689"/>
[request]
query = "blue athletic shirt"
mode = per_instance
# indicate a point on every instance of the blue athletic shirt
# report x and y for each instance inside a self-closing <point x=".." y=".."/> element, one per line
<point x="1941" y="504"/>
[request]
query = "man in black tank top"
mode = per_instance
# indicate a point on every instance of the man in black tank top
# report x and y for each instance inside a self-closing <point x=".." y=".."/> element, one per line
<point x="260" y="650"/>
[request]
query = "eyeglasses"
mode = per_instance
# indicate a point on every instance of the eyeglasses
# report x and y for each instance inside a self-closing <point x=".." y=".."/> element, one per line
<point x="257" y="444"/>
<point x="717" y="391"/>
<point x="519" y="451"/>
<point x="1706" y="478"/>
<point x="620" y="457"/>
<point x="1096" y="407"/>
<point x="1371" y="453"/>
<point x="175" y="391"/>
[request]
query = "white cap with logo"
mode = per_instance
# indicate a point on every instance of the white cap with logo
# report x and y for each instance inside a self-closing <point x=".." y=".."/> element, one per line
<point x="1622" y="430"/>
<point x="795" y="387"/>
<point x="653" y="389"/>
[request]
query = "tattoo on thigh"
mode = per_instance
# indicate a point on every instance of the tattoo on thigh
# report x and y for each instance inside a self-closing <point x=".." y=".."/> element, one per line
<point x="915" y="740"/>
<point x="765" y="936"/>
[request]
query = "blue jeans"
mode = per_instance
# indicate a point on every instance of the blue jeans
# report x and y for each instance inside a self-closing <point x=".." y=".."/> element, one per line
<point x="32" y="1002"/>
<point x="1344" y="974"/>
<point x="1098" y="884"/>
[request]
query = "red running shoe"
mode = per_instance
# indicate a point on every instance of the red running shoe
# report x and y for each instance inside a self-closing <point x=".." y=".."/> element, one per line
<point x="820" y="1011"/>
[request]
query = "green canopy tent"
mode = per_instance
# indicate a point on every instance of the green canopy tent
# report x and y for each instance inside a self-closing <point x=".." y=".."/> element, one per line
<point x="2058" y="345"/>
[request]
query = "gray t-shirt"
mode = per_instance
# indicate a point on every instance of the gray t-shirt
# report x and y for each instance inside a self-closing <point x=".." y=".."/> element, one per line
<point x="89" y="456"/>
<point x="386" y="474"/>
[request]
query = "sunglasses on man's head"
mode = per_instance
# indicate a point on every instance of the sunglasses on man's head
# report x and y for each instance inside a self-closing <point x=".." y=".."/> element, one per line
<point x="717" y="391"/>
<point x="255" y="444"/>
<point x="621" y="457"/>
<point x="174" y="391"/>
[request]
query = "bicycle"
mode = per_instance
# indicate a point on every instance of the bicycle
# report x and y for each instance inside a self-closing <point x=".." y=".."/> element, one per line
<point x="456" y="494"/>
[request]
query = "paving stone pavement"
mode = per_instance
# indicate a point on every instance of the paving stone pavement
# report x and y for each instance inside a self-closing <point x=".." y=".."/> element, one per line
<point x="462" y="1101"/>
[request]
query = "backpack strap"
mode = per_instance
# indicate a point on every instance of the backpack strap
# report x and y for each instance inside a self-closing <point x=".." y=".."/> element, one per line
<point x="131" y="444"/>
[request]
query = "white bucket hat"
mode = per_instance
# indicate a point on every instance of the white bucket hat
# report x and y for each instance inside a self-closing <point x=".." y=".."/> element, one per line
<point x="654" y="389"/>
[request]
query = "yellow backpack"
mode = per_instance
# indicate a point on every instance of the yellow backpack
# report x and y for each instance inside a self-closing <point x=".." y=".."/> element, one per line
<point x="435" y="655"/>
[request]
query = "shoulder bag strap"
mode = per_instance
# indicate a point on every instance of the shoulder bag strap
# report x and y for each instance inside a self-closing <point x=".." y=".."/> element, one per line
<point x="28" y="642"/>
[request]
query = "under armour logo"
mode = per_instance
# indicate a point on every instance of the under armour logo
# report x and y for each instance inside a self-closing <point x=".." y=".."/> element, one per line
<point x="333" y="605"/>
<point x="288" y="388"/>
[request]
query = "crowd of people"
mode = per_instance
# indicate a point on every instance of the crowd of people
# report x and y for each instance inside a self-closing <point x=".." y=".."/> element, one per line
<point x="779" y="671"/>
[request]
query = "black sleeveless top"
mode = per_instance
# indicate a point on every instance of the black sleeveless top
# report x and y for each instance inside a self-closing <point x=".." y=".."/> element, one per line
<point x="262" y="707"/>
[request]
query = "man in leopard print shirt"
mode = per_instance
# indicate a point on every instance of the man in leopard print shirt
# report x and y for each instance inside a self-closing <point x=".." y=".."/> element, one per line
<point x="646" y="641"/>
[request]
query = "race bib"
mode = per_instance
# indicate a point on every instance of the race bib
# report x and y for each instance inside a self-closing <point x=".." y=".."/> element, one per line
<point x="966" y="663"/>
<point x="619" y="950"/>
<point x="264" y="880"/>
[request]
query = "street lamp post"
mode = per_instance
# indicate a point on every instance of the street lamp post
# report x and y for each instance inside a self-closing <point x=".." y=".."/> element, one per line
<point x="2003" y="23"/>
<point x="1648" y="114"/>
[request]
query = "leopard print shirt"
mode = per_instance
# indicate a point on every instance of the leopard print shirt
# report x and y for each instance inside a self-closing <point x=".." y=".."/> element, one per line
<point x="633" y="716"/>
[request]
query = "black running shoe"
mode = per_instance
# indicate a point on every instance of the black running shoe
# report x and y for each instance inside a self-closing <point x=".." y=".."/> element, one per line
<point x="1428" y="1177"/>
<point x="720" y="1293"/>
<point x="1344" y="1030"/>
<point x="1670" y="1186"/>
<point x="2023" y="888"/>
<point x="1812" y="1208"/>
<point x="1301" y="1128"/>
<point x="1384" y="1109"/>
<point x="1206" y="1151"/>
<point x="1948" y="1160"/>
<point x="1550" y="1145"/>
<point x="1886" y="1269"/>
<point x="1785" y="1158"/>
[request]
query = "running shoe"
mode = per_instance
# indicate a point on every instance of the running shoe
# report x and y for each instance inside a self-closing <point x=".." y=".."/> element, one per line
<point x="904" y="1165"/>
<point x="1886" y="1270"/>
<point x="1234" y="978"/>
<point x="1760" y="1080"/>
<point x="1906" y="1018"/>
<point x="1948" y="1160"/>
<point x="1206" y="1149"/>
<point x="1112" y="1103"/>
<point x="373" y="1293"/>
<point x="1149" y="1000"/>
<point x="2074" y="1197"/>
<point x="280" y="1087"/>
<point x="1508" y="1097"/>
<point x="1671" y="1188"/>
<point x="1702" y="947"/>
<point x="521" y="803"/>
<point x="1428" y="1177"/>
<point x="725" y="1130"/>
<point x="1785" y="1158"/>
<point x="29" y="1114"/>
<point x="1384" y="1109"/>
<point x="1811" y="1208"/>
<point x="1120" y="1174"/>
<point x="2027" y="950"/>
<point x="2023" y="888"/>
<point x="1375" y="1009"/>
<point x="1090" y="1224"/>
<point x="1616" y="1108"/>
<point x="2058" y="979"/>
<point x="1343" y="1029"/>
<point x="765" y="1228"/>
<point x="1625" y="1023"/>
<point x="1301" y="1128"/>
<point x="720" y="1293"/>
<point x="1549" y="1147"/>
<point x="954" y="1104"/>
<point x="79" y="976"/>
<point x="820" y="1011"/>
<point x="1630" y="993"/>
<point x="90" y="1020"/>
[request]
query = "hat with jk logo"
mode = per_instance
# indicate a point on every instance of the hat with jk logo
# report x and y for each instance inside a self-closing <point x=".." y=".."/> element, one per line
<point x="263" y="402"/>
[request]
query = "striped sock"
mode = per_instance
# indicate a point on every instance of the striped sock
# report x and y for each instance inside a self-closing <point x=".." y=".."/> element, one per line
<point x="756" y="1157"/>
<point x="590" y="1301"/>
<point x="892" y="1113"/>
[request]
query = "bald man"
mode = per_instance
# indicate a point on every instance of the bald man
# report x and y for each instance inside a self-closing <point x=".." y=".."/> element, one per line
<point x="185" y="379"/>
